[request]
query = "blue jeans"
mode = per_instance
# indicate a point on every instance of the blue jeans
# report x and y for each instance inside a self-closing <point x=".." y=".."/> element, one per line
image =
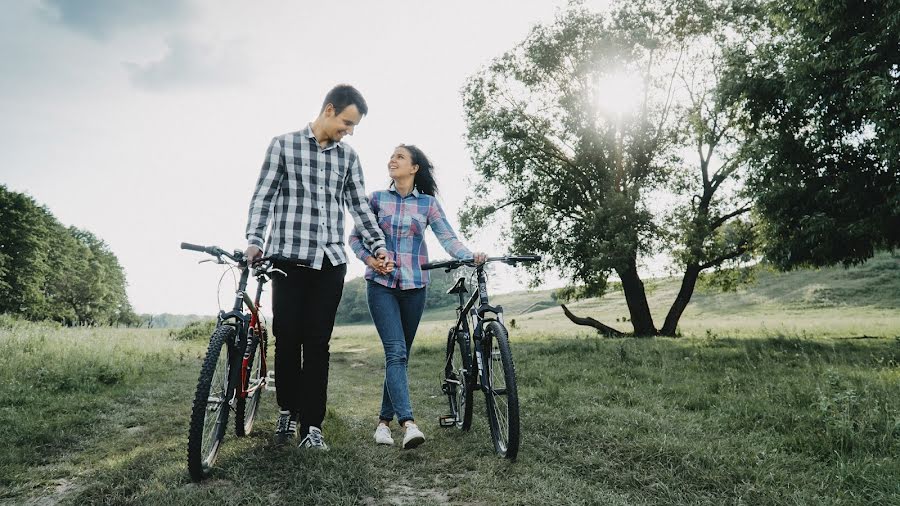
<point x="396" y="314"/>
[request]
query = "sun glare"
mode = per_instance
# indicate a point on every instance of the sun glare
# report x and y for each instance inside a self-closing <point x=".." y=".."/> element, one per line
<point x="619" y="94"/>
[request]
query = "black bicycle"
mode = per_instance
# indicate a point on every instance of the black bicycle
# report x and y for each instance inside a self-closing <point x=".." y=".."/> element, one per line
<point x="479" y="358"/>
<point x="233" y="379"/>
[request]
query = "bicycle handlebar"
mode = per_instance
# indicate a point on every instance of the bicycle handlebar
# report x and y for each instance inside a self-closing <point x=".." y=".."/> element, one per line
<point x="215" y="251"/>
<point x="455" y="264"/>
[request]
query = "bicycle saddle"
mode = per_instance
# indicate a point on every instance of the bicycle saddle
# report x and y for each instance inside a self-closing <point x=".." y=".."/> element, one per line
<point x="459" y="287"/>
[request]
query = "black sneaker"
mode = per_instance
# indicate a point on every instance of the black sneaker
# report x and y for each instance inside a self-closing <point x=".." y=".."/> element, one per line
<point x="286" y="427"/>
<point x="314" y="440"/>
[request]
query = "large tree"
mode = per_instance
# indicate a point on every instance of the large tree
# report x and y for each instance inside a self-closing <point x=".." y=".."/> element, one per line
<point x="599" y="188"/>
<point x="50" y="272"/>
<point x="820" y="82"/>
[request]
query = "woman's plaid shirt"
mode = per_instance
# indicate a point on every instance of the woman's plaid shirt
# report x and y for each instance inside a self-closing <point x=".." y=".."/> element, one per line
<point x="304" y="187"/>
<point x="403" y="220"/>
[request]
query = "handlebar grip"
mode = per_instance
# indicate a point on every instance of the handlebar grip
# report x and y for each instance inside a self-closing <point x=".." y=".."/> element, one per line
<point x="437" y="265"/>
<point x="526" y="258"/>
<point x="193" y="247"/>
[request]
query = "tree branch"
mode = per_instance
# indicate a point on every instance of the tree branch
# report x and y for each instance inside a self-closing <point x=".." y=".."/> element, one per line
<point x="590" y="322"/>
<point x="742" y="248"/>
<point x="725" y="217"/>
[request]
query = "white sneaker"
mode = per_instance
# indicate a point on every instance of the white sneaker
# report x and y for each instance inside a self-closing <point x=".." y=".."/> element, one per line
<point x="383" y="435"/>
<point x="413" y="436"/>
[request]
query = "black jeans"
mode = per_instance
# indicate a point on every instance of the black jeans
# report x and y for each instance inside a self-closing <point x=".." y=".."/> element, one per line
<point x="303" y="308"/>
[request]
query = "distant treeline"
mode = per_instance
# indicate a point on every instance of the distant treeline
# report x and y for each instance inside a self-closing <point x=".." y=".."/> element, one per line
<point x="354" y="309"/>
<point x="171" y="321"/>
<point x="52" y="272"/>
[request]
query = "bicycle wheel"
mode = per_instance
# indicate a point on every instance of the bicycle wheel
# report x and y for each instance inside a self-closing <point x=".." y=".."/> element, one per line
<point x="500" y="392"/>
<point x="209" y="416"/>
<point x="245" y="411"/>
<point x="454" y="382"/>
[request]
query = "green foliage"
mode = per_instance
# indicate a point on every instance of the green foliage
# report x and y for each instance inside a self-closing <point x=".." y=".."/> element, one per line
<point x="582" y="183"/>
<point x="201" y="329"/>
<point x="820" y="83"/>
<point x="729" y="279"/>
<point x="169" y="321"/>
<point x="50" y="272"/>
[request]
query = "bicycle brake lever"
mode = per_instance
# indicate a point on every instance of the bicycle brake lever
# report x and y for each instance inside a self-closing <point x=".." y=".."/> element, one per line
<point x="275" y="269"/>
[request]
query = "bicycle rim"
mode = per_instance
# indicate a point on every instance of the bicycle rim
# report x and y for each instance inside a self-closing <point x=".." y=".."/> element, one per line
<point x="501" y="394"/>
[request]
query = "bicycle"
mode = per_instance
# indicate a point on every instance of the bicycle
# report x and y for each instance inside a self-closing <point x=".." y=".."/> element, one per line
<point x="465" y="370"/>
<point x="233" y="380"/>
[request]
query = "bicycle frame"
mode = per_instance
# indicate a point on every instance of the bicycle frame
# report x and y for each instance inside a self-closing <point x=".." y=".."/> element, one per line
<point x="483" y="314"/>
<point x="249" y="329"/>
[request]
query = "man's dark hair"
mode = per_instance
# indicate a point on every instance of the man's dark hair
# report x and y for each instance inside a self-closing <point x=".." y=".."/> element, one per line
<point x="343" y="95"/>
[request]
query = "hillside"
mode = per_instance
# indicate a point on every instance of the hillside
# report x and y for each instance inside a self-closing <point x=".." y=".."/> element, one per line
<point x="832" y="300"/>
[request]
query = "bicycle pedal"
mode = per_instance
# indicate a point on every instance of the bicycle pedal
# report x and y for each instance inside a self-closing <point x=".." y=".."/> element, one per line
<point x="447" y="420"/>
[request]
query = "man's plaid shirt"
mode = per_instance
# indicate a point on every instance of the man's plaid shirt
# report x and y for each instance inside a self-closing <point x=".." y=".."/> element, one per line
<point x="306" y="187"/>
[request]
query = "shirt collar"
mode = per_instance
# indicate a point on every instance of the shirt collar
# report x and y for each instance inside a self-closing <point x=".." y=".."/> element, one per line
<point x="308" y="131"/>
<point x="414" y="192"/>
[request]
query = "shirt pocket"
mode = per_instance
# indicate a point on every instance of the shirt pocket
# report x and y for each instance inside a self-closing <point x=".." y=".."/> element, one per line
<point x="385" y="221"/>
<point x="417" y="224"/>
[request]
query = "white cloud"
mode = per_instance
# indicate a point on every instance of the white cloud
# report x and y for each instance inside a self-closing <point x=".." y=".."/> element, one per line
<point x="189" y="63"/>
<point x="101" y="19"/>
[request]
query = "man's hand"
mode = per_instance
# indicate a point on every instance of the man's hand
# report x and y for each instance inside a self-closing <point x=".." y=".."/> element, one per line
<point x="378" y="265"/>
<point x="479" y="257"/>
<point x="383" y="260"/>
<point x="252" y="254"/>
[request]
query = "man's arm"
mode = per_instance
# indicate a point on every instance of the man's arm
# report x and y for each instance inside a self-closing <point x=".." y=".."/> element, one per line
<point x="358" y="203"/>
<point x="357" y="246"/>
<point x="267" y="187"/>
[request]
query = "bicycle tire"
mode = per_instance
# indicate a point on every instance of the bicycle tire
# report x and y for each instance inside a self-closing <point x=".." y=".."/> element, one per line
<point x="246" y="408"/>
<point x="209" y="415"/>
<point x="502" y="400"/>
<point x="454" y="382"/>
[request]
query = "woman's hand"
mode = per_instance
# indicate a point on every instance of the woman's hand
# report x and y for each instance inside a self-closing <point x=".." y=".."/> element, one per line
<point x="479" y="257"/>
<point x="382" y="265"/>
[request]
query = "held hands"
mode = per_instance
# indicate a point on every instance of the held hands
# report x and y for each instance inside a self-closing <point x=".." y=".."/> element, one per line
<point x="381" y="263"/>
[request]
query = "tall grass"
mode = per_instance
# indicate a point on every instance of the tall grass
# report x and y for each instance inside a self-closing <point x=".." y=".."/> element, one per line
<point x="712" y="419"/>
<point x="55" y="383"/>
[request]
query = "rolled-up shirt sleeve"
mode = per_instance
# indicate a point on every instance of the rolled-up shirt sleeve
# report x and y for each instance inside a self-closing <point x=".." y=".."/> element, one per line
<point x="267" y="188"/>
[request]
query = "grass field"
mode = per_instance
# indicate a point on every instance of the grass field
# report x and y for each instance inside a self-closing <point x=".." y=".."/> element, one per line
<point x="767" y="399"/>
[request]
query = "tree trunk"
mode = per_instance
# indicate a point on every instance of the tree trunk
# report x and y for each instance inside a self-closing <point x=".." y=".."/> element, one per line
<point x="636" y="298"/>
<point x="688" y="282"/>
<point x="590" y="322"/>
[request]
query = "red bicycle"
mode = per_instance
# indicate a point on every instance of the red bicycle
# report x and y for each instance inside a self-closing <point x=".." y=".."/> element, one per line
<point x="233" y="379"/>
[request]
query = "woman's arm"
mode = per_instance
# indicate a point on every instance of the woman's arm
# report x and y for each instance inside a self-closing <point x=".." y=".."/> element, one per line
<point x="444" y="232"/>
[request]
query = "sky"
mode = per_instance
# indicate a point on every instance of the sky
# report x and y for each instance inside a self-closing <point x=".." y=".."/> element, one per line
<point x="146" y="122"/>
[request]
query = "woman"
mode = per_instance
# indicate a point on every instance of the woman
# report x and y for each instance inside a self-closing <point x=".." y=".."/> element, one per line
<point x="396" y="290"/>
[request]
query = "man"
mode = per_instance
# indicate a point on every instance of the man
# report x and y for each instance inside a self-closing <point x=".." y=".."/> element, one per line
<point x="306" y="179"/>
